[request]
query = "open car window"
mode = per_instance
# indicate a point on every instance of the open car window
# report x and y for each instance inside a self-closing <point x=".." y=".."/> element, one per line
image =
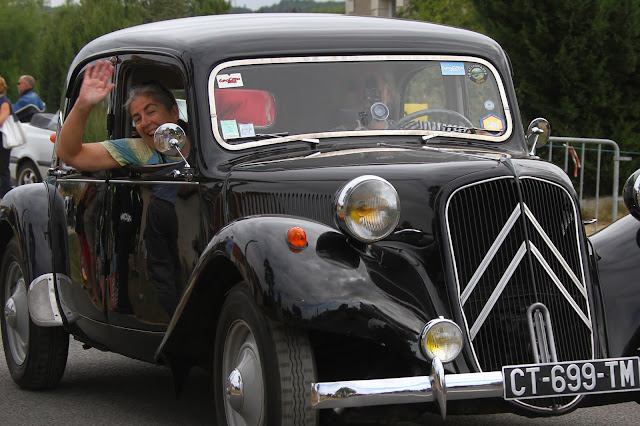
<point x="266" y="101"/>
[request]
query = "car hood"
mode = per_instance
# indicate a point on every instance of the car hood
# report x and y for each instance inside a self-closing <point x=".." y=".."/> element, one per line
<point x="305" y="185"/>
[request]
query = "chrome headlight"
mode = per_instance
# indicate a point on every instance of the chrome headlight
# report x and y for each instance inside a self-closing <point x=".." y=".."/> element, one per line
<point x="631" y="194"/>
<point x="368" y="208"/>
<point x="441" y="338"/>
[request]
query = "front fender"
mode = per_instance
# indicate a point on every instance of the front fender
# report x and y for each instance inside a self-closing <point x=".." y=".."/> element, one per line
<point x="617" y="250"/>
<point x="25" y="213"/>
<point x="373" y="293"/>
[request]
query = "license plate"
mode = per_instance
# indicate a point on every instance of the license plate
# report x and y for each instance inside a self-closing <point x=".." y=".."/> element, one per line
<point x="571" y="378"/>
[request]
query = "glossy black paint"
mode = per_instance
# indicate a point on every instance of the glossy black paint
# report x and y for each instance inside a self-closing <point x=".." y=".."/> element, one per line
<point x="617" y="250"/>
<point x="24" y="212"/>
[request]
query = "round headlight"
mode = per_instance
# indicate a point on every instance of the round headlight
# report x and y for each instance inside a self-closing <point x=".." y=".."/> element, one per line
<point x="441" y="338"/>
<point x="631" y="194"/>
<point x="368" y="208"/>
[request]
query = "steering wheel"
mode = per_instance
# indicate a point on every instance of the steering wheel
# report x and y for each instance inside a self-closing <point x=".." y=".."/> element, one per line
<point x="448" y="112"/>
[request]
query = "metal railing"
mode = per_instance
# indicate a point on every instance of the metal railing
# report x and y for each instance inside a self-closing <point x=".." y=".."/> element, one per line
<point x="566" y="144"/>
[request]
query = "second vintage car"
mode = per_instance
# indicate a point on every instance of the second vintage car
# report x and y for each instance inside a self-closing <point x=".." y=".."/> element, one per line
<point x="361" y="220"/>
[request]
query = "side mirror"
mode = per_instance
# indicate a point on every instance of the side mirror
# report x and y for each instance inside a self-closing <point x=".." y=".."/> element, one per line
<point x="169" y="139"/>
<point x="631" y="194"/>
<point x="538" y="134"/>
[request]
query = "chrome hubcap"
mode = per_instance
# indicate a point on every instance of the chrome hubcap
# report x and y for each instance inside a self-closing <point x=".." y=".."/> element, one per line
<point x="243" y="381"/>
<point x="16" y="313"/>
<point x="235" y="394"/>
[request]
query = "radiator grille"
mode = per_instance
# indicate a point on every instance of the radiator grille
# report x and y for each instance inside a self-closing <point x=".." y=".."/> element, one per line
<point x="508" y="255"/>
<point x="312" y="206"/>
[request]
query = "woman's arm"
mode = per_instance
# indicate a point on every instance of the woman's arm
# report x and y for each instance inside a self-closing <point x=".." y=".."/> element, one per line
<point x="95" y="87"/>
<point x="5" y="111"/>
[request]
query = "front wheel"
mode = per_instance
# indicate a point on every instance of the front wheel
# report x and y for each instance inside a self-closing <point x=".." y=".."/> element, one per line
<point x="262" y="371"/>
<point x="36" y="356"/>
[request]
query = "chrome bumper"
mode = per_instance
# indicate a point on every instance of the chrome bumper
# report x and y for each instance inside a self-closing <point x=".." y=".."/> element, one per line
<point x="406" y="390"/>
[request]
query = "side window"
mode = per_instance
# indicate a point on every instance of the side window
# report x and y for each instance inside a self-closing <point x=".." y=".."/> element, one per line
<point x="97" y="124"/>
<point x="96" y="130"/>
<point x="140" y="70"/>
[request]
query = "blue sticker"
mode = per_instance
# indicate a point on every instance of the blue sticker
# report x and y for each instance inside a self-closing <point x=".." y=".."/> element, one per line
<point x="452" y="68"/>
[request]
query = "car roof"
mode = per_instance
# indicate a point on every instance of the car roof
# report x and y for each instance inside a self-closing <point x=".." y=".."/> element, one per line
<point x="221" y="37"/>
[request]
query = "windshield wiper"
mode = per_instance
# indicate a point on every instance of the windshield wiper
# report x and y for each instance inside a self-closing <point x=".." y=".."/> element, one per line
<point x="258" y="136"/>
<point x="469" y="130"/>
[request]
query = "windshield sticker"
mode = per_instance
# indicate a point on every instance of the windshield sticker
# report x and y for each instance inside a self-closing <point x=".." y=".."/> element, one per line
<point x="229" y="80"/>
<point x="492" y="123"/>
<point x="452" y="68"/>
<point x="489" y="105"/>
<point x="229" y="129"/>
<point x="477" y="74"/>
<point x="246" y="130"/>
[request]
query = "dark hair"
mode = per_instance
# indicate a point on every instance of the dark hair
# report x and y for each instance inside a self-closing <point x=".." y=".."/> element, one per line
<point x="153" y="89"/>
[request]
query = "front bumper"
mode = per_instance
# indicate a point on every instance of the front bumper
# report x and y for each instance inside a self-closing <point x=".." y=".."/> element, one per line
<point x="406" y="390"/>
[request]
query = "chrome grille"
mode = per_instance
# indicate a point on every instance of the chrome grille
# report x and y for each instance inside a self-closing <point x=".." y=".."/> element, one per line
<point x="509" y="253"/>
<point x="312" y="206"/>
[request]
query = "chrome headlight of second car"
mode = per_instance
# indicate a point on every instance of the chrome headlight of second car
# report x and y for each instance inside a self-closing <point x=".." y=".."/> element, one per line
<point x="368" y="208"/>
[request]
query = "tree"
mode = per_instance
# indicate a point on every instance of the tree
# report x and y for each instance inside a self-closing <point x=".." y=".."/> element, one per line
<point x="575" y="63"/>
<point x="458" y="13"/>
<point x="73" y="25"/>
<point x="70" y="27"/>
<point x="20" y="21"/>
<point x="209" y="7"/>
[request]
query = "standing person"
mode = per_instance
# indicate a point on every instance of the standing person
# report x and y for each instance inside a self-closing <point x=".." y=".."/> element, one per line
<point x="26" y="83"/>
<point x="6" y="113"/>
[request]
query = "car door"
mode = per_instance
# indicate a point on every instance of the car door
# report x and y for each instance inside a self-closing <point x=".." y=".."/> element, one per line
<point x="151" y="245"/>
<point x="85" y="198"/>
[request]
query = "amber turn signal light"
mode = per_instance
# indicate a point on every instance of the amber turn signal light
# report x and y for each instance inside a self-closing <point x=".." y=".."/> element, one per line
<point x="296" y="238"/>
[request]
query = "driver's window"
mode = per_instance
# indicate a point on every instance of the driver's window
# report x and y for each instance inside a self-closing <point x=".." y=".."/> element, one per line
<point x="96" y="128"/>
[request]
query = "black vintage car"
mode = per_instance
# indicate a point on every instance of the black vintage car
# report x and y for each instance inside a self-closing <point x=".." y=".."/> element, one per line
<point x="361" y="221"/>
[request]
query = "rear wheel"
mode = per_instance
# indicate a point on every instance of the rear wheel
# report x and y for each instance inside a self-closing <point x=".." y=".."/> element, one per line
<point x="36" y="356"/>
<point x="28" y="173"/>
<point x="262" y="371"/>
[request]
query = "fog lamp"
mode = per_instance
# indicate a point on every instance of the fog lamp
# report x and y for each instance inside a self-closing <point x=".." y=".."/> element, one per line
<point x="367" y="208"/>
<point x="441" y="338"/>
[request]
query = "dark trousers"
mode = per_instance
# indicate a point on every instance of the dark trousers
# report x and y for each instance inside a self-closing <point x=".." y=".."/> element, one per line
<point x="5" y="177"/>
<point x="161" y="241"/>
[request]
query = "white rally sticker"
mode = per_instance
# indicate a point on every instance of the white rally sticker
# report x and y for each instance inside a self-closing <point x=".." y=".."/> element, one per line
<point x="246" y="130"/>
<point x="229" y="80"/>
<point x="229" y="129"/>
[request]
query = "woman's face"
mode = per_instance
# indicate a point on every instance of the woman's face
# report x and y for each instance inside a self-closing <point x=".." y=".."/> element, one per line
<point x="148" y="114"/>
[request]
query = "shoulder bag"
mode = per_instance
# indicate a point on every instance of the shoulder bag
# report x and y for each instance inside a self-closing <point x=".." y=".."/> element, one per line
<point x="12" y="133"/>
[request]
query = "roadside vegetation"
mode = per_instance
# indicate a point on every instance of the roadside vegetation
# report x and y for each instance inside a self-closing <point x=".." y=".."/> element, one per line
<point x="605" y="210"/>
<point x="574" y="63"/>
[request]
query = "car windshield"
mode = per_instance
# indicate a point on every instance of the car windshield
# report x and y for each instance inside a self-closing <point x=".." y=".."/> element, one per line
<point x="268" y="101"/>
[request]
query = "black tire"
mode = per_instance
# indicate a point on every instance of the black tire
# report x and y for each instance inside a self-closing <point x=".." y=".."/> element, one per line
<point x="36" y="356"/>
<point x="28" y="173"/>
<point x="246" y="342"/>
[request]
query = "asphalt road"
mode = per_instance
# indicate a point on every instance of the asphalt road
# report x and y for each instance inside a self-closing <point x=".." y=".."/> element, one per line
<point x="106" y="389"/>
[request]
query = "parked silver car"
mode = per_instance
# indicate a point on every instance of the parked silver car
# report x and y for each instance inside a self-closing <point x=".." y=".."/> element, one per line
<point x="30" y="162"/>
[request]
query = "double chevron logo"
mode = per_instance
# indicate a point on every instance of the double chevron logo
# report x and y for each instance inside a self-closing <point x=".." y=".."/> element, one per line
<point x="537" y="256"/>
